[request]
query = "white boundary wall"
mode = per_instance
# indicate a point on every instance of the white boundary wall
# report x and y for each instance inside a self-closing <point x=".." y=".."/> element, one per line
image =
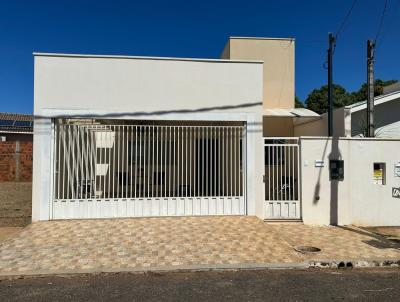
<point x="359" y="201"/>
<point x="145" y="89"/>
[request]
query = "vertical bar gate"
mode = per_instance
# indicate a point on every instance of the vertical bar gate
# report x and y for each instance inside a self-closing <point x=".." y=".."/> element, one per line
<point x="282" y="178"/>
<point x="153" y="169"/>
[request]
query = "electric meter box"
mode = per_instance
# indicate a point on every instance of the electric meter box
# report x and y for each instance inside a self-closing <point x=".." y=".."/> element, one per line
<point x="336" y="169"/>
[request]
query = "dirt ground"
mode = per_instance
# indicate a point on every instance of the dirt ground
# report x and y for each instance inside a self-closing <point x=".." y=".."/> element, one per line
<point x="15" y="204"/>
<point x="385" y="231"/>
<point x="8" y="232"/>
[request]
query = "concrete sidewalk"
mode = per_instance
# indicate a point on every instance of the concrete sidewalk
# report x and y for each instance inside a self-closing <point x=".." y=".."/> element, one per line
<point x="72" y="246"/>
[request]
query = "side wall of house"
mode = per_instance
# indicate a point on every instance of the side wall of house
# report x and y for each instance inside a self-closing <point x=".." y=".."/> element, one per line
<point x="357" y="199"/>
<point x="277" y="126"/>
<point x="320" y="127"/>
<point x="145" y="89"/>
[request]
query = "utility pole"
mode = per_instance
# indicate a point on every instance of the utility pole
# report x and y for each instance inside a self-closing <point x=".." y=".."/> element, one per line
<point x="370" y="89"/>
<point x="331" y="41"/>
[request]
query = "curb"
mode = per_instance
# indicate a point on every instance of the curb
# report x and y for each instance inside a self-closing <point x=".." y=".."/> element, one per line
<point x="370" y="263"/>
<point x="155" y="269"/>
<point x="313" y="264"/>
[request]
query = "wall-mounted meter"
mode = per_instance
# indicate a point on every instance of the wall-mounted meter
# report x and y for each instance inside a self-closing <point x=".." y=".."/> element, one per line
<point x="336" y="169"/>
<point x="397" y="169"/>
<point x="379" y="173"/>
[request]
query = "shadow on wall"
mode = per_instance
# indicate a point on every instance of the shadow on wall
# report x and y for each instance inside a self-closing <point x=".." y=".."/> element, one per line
<point x="160" y="112"/>
<point x="334" y="155"/>
<point x="334" y="184"/>
<point x="147" y="115"/>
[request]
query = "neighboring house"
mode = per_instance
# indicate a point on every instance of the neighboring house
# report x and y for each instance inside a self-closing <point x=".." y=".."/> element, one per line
<point x="16" y="127"/>
<point x="16" y="135"/>
<point x="350" y="121"/>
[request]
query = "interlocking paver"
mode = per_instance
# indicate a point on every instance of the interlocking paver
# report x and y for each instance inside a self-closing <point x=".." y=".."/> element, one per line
<point x="174" y="241"/>
<point x="335" y="242"/>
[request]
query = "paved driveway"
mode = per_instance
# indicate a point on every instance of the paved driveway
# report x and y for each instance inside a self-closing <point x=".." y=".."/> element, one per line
<point x="129" y="244"/>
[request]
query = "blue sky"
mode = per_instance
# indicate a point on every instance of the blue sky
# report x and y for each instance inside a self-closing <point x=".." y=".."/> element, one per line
<point x="193" y="29"/>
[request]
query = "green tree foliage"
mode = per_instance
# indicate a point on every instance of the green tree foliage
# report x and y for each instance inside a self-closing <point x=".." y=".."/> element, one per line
<point x="298" y="103"/>
<point x="317" y="100"/>
<point x="361" y="94"/>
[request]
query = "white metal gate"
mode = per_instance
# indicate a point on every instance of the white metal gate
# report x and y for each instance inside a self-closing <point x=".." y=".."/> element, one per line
<point x="148" y="169"/>
<point x="282" y="178"/>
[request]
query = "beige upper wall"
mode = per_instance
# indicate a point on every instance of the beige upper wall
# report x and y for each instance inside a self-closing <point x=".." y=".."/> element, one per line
<point x="278" y="70"/>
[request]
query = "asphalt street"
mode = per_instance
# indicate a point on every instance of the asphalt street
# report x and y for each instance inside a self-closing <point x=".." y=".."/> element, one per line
<point x="255" y="285"/>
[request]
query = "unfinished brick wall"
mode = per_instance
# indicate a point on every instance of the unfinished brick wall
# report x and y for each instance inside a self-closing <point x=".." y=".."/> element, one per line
<point x="16" y="161"/>
<point x="15" y="183"/>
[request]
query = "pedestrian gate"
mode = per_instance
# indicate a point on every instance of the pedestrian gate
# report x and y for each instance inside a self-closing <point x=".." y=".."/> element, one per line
<point x="106" y="169"/>
<point x="282" y="178"/>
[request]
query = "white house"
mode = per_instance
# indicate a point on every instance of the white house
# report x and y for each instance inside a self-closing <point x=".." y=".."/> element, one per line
<point x="125" y="136"/>
<point x="122" y="136"/>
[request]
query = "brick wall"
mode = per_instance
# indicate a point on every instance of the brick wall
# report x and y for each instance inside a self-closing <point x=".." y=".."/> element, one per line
<point x="16" y="161"/>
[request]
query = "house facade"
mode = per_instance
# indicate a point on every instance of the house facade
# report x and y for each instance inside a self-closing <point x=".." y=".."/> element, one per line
<point x="125" y="136"/>
<point x="119" y="136"/>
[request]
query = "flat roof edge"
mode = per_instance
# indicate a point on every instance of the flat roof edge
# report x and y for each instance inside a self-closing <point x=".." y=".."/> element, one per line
<point x="380" y="99"/>
<point x="46" y="54"/>
<point x="261" y="38"/>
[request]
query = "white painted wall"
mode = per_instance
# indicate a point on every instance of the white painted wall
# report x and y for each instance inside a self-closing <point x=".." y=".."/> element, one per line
<point x="143" y="84"/>
<point x="145" y="88"/>
<point x="359" y="200"/>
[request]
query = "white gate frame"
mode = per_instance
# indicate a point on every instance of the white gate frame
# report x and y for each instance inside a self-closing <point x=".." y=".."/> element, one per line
<point x="282" y="192"/>
<point x="75" y="145"/>
<point x="42" y="180"/>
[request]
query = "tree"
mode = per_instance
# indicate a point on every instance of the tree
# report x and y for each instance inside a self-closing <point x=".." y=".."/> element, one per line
<point x="317" y="100"/>
<point x="298" y="103"/>
<point x="361" y="94"/>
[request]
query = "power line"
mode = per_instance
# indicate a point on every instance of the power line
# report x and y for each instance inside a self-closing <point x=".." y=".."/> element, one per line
<point x="341" y="27"/>
<point x="389" y="22"/>
<point x="381" y="22"/>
